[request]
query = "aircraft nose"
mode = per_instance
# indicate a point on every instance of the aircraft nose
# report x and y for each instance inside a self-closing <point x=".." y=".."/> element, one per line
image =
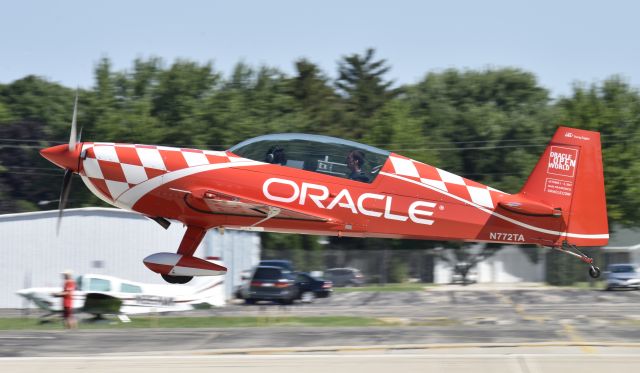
<point x="62" y="157"/>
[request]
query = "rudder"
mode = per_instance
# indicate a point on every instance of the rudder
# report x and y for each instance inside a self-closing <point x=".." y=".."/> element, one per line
<point x="569" y="176"/>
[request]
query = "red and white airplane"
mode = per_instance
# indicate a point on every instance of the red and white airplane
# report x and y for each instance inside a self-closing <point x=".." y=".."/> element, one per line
<point x="311" y="184"/>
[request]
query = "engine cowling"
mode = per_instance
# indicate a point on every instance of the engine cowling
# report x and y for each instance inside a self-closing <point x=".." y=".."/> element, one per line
<point x="179" y="265"/>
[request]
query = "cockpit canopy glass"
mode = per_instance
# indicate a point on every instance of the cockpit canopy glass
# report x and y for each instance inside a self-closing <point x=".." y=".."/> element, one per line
<point x="317" y="153"/>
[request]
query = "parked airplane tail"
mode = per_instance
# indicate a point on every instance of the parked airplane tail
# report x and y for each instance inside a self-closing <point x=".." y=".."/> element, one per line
<point x="569" y="178"/>
<point x="207" y="289"/>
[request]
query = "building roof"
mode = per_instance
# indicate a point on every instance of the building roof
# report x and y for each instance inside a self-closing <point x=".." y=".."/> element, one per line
<point x="624" y="239"/>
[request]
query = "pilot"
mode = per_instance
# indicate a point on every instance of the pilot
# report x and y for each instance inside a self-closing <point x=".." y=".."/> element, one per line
<point x="276" y="155"/>
<point x="355" y="162"/>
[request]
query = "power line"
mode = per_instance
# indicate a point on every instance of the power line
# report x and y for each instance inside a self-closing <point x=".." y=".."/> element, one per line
<point x="392" y="146"/>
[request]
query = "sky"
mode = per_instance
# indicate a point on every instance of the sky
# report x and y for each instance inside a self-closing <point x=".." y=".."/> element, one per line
<point x="561" y="42"/>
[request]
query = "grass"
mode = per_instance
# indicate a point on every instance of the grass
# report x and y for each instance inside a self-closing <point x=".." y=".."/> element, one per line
<point x="18" y="323"/>
<point x="385" y="288"/>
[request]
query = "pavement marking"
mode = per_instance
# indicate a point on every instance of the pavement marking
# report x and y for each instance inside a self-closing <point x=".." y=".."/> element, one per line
<point x="520" y="309"/>
<point x="312" y="356"/>
<point x="575" y="337"/>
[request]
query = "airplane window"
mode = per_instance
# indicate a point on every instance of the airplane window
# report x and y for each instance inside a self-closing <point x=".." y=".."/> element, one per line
<point x="79" y="283"/>
<point x="98" y="284"/>
<point x="129" y="288"/>
<point x="316" y="153"/>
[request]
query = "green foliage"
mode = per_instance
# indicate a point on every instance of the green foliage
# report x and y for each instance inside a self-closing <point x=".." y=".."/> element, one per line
<point x="398" y="271"/>
<point x="143" y="322"/>
<point x="394" y="128"/>
<point x="490" y="126"/>
<point x="613" y="108"/>
<point x="5" y="114"/>
<point x="365" y="91"/>
<point x="304" y="251"/>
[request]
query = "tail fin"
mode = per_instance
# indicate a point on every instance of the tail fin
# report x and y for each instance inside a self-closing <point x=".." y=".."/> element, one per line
<point x="569" y="176"/>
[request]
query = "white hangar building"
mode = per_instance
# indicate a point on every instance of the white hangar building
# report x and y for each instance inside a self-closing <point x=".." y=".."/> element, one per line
<point x="105" y="241"/>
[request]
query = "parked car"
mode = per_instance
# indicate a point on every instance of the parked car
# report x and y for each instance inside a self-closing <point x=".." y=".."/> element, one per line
<point x="281" y="263"/>
<point x="272" y="284"/>
<point x="241" y="290"/>
<point x="344" y="276"/>
<point x="310" y="287"/>
<point x="623" y="276"/>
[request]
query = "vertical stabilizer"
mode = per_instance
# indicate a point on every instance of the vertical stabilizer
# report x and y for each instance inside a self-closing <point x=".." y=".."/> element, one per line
<point x="569" y="176"/>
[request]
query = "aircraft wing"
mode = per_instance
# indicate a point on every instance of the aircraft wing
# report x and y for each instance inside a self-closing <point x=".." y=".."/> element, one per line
<point x="101" y="304"/>
<point x="216" y="202"/>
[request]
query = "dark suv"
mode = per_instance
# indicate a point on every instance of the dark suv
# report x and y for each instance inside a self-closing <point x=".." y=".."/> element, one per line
<point x="273" y="284"/>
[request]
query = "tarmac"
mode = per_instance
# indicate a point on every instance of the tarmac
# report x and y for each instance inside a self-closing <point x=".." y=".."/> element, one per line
<point x="525" y="329"/>
<point x="370" y="363"/>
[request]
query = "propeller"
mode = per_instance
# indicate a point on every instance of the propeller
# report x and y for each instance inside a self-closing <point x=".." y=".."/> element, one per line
<point x="64" y="196"/>
<point x="74" y="138"/>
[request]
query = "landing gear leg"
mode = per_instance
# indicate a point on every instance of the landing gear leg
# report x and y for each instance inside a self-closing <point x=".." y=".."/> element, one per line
<point x="192" y="238"/>
<point x="567" y="248"/>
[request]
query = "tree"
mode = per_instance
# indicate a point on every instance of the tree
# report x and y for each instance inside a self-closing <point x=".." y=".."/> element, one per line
<point x="395" y="129"/>
<point x="361" y="81"/>
<point x="178" y="101"/>
<point x="318" y="101"/>
<point x="39" y="113"/>
<point x="613" y="108"/>
<point x="490" y="126"/>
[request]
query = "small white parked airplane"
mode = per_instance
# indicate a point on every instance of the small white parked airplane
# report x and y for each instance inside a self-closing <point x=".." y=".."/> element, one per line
<point x="107" y="295"/>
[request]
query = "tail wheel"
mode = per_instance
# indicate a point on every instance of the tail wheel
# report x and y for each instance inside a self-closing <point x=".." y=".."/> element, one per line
<point x="177" y="279"/>
<point x="594" y="272"/>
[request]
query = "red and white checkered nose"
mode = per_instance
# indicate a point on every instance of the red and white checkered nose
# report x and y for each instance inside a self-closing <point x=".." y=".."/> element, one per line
<point x="62" y="157"/>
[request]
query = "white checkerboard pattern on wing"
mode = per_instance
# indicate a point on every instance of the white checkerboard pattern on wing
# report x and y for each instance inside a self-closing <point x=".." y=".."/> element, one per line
<point x="446" y="181"/>
<point x="114" y="168"/>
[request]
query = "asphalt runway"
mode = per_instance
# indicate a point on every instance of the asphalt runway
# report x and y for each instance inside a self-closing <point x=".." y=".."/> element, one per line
<point x="370" y="363"/>
<point x="551" y="329"/>
<point x="466" y="304"/>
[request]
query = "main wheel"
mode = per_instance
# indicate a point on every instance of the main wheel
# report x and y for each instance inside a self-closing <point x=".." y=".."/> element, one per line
<point x="594" y="272"/>
<point x="177" y="279"/>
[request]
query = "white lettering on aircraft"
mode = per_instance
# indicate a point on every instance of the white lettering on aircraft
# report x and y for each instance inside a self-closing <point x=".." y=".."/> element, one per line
<point x="511" y="237"/>
<point x="417" y="212"/>
<point x="561" y="161"/>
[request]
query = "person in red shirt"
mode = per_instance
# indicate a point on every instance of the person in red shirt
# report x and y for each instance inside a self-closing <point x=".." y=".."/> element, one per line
<point x="67" y="300"/>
